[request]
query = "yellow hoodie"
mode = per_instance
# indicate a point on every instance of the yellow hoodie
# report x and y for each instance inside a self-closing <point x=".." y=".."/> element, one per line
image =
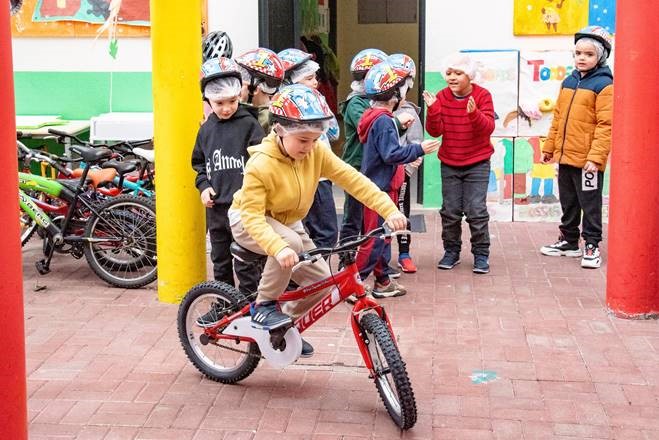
<point x="282" y="188"/>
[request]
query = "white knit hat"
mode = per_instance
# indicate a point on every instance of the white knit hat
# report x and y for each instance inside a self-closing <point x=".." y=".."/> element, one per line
<point x="460" y="61"/>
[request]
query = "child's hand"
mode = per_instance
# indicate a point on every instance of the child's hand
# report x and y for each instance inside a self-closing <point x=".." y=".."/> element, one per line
<point x="429" y="98"/>
<point x="430" y="145"/>
<point x="287" y="258"/>
<point x="590" y="167"/>
<point x="546" y="157"/>
<point x="416" y="163"/>
<point x="397" y="221"/>
<point x="471" y="104"/>
<point x="405" y="120"/>
<point x="207" y="197"/>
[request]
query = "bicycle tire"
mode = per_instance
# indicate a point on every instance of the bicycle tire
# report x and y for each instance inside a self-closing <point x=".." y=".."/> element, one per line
<point x="399" y="398"/>
<point x="28" y="227"/>
<point x="134" y="219"/>
<point x="230" y="300"/>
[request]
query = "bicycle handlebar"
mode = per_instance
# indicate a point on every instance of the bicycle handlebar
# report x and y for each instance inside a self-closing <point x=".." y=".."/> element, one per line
<point x="123" y="146"/>
<point x="45" y="157"/>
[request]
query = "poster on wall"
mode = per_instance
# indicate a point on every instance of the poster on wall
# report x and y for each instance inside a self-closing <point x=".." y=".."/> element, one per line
<point x="135" y="12"/>
<point x="498" y="73"/>
<point x="603" y="13"/>
<point x="499" y="203"/>
<point x="540" y="76"/>
<point x="549" y="17"/>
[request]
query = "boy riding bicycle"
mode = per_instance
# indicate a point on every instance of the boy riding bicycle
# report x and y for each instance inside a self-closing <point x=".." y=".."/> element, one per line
<point x="278" y="189"/>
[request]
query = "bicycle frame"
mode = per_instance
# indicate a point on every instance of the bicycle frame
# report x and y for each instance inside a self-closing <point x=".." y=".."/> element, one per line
<point x="346" y="283"/>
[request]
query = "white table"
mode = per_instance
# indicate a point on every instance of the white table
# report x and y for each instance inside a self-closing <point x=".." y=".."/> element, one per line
<point x="121" y="126"/>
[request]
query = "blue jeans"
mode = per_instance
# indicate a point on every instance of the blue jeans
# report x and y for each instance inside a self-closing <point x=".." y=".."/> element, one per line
<point x="320" y="221"/>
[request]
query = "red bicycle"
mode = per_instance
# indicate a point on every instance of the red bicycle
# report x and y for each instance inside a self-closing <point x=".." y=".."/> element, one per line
<point x="230" y="349"/>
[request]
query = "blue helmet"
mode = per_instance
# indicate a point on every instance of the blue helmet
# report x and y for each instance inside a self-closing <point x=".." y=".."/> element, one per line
<point x="299" y="103"/>
<point x="383" y="80"/>
<point x="291" y="58"/>
<point x="218" y="68"/>
<point x="403" y="61"/>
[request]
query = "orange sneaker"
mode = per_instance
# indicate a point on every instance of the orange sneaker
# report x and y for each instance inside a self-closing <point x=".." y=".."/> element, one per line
<point x="406" y="264"/>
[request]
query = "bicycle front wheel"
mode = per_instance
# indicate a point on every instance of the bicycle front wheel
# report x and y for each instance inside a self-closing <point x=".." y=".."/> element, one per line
<point x="390" y="375"/>
<point x="28" y="226"/>
<point x="121" y="246"/>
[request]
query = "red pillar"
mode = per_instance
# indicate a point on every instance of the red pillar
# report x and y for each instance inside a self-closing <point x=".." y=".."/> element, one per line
<point x="633" y="268"/>
<point x="13" y="404"/>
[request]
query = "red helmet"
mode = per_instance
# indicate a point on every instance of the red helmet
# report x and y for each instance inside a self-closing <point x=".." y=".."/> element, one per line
<point x="383" y="80"/>
<point x="263" y="63"/>
<point x="364" y="60"/>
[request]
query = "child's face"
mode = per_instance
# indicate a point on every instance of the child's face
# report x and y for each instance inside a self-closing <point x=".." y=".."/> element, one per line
<point x="224" y="108"/>
<point x="300" y="144"/>
<point x="310" y="81"/>
<point x="458" y="81"/>
<point x="585" y="56"/>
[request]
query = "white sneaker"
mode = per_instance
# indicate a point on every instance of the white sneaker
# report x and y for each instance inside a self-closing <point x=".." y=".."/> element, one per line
<point x="561" y="249"/>
<point x="592" y="258"/>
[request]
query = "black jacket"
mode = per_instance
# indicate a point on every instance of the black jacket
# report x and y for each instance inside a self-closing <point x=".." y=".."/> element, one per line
<point x="220" y="152"/>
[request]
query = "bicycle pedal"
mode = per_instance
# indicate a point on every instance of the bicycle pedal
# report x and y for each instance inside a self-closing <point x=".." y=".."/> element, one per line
<point x="42" y="267"/>
<point x="277" y="337"/>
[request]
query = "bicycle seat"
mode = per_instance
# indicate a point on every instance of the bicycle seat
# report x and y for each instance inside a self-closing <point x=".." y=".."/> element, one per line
<point x="96" y="176"/>
<point x="121" y="167"/>
<point x="147" y="154"/>
<point x="242" y="254"/>
<point x="90" y="155"/>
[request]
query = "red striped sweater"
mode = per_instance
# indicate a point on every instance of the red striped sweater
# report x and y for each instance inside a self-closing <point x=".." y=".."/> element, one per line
<point x="465" y="136"/>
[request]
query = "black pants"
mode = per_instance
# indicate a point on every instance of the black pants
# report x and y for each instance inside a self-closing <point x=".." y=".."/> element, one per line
<point x="464" y="190"/>
<point x="404" y="241"/>
<point x="353" y="217"/>
<point x="574" y="200"/>
<point x="249" y="274"/>
<point x="320" y="221"/>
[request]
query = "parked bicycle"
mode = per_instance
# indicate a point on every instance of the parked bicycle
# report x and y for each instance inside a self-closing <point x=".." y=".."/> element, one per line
<point x="115" y="235"/>
<point x="217" y="334"/>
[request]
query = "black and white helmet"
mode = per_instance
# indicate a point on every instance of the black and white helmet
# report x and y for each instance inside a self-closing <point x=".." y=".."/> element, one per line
<point x="216" y="44"/>
<point x="15" y="6"/>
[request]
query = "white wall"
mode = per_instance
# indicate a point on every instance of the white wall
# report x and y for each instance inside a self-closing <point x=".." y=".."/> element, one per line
<point x="477" y="24"/>
<point x="238" y="18"/>
<point x="80" y="55"/>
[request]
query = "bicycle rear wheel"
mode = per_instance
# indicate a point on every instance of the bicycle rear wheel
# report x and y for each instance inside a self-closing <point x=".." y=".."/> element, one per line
<point x="221" y="360"/>
<point x="391" y="377"/>
<point x="122" y="242"/>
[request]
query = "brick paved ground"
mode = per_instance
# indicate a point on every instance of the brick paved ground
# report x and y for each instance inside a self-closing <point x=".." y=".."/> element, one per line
<point x="105" y="363"/>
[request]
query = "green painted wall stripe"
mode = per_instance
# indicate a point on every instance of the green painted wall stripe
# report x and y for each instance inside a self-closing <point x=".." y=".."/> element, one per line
<point x="432" y="179"/>
<point x="81" y="95"/>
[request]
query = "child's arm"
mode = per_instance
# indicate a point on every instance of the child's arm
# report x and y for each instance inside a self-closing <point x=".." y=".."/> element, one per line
<point x="550" y="143"/>
<point x="601" y="145"/>
<point x="199" y="165"/>
<point x="388" y="145"/>
<point x="252" y="215"/>
<point x="434" y="123"/>
<point x="256" y="135"/>
<point x="482" y="113"/>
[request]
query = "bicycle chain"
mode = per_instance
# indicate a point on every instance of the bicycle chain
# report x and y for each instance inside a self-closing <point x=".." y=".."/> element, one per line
<point x="238" y="350"/>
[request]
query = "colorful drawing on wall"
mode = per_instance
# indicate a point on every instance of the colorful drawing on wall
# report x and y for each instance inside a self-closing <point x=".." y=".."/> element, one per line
<point x="603" y="13"/>
<point x="498" y="73"/>
<point x="540" y="76"/>
<point x="549" y="17"/>
<point x="135" y="12"/>
<point x="499" y="207"/>
<point x="54" y="21"/>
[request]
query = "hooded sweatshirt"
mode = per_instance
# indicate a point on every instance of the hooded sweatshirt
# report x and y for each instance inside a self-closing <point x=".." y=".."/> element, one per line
<point x="382" y="150"/>
<point x="352" y="111"/>
<point x="282" y="188"/>
<point x="220" y="152"/>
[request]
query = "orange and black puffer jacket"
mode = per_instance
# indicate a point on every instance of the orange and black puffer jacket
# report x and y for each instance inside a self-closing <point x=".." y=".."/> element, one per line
<point x="581" y="128"/>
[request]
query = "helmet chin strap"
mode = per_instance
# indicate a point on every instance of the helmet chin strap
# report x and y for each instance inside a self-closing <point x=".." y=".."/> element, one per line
<point x="398" y="99"/>
<point x="251" y="88"/>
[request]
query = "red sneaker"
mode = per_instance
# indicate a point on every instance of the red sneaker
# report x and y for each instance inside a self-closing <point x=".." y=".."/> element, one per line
<point x="406" y="264"/>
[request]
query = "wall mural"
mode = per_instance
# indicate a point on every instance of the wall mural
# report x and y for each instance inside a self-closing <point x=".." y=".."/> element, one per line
<point x="549" y="17"/>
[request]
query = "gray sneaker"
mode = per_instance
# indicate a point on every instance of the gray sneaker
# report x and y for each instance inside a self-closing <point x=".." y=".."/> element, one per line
<point x="449" y="261"/>
<point x="388" y="290"/>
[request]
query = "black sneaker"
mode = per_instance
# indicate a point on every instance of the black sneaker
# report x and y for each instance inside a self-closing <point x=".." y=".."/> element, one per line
<point x="268" y="315"/>
<point x="211" y="317"/>
<point x="307" y="349"/>
<point x="561" y="249"/>
<point x="450" y="260"/>
<point x="481" y="264"/>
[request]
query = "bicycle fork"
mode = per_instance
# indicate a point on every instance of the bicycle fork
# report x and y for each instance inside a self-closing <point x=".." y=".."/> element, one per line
<point x="42" y="219"/>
